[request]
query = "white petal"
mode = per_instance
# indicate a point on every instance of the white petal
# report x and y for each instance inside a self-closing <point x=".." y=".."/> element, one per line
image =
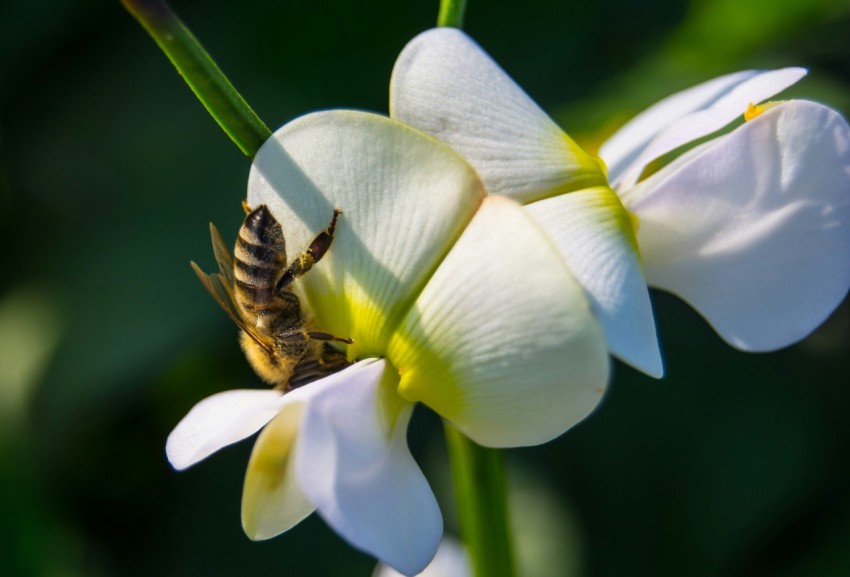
<point x="445" y="84"/>
<point x="218" y="421"/>
<point x="594" y="235"/>
<point x="687" y="116"/>
<point x="624" y="146"/>
<point x="354" y="464"/>
<point x="451" y="560"/>
<point x="502" y="342"/>
<point x="404" y="197"/>
<point x="273" y="500"/>
<point x="754" y="229"/>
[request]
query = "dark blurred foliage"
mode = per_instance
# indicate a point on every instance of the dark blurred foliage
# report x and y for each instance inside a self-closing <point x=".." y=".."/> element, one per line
<point x="110" y="170"/>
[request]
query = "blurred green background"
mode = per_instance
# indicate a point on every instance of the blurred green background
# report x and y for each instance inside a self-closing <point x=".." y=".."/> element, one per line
<point x="110" y="170"/>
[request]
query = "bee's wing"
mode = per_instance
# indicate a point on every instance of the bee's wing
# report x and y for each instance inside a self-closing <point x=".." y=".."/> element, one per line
<point x="223" y="295"/>
<point x="223" y="258"/>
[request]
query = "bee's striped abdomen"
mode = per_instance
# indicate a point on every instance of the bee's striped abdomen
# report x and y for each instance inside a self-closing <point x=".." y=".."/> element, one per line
<point x="253" y="286"/>
<point x="259" y="260"/>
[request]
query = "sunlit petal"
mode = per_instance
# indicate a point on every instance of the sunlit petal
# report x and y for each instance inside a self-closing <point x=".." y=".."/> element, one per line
<point x="218" y="421"/>
<point x="594" y="235"/>
<point x="688" y="116"/>
<point x="445" y="84"/>
<point x="501" y="342"/>
<point x="272" y="499"/>
<point x="405" y="198"/>
<point x="754" y="229"/>
<point x="354" y="464"/>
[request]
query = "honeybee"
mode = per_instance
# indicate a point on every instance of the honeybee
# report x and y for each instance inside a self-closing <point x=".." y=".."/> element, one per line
<point x="254" y="289"/>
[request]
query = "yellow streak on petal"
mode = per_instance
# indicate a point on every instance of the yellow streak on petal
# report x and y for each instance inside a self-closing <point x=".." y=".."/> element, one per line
<point x="353" y="315"/>
<point x="635" y="222"/>
<point x="580" y="170"/>
<point x="425" y="374"/>
<point x="268" y="469"/>
<point x="622" y="219"/>
<point x="587" y="169"/>
<point x="390" y="404"/>
<point x="269" y="463"/>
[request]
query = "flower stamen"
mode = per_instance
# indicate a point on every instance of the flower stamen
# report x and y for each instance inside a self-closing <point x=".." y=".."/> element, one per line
<point x="754" y="110"/>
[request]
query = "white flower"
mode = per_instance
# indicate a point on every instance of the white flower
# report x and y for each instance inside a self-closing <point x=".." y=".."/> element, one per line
<point x="452" y="298"/>
<point x="750" y="228"/>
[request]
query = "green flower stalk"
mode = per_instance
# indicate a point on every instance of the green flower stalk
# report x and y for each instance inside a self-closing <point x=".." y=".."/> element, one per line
<point x="451" y="13"/>
<point x="201" y="73"/>
<point x="481" y="497"/>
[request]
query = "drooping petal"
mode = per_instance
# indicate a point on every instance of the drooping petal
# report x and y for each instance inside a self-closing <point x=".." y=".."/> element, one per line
<point x="354" y="464"/>
<point x="753" y="229"/>
<point x="445" y="84"/>
<point x="218" y="421"/>
<point x="594" y="235"/>
<point x="624" y="146"/>
<point x="451" y="560"/>
<point x="687" y="116"/>
<point x="404" y="197"/>
<point x="501" y="341"/>
<point x="273" y="500"/>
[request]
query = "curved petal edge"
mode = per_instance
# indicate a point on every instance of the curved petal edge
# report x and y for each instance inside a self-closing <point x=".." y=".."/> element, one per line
<point x="220" y="420"/>
<point x="593" y="232"/>
<point x="354" y="464"/>
<point x="502" y="342"/>
<point x="445" y="84"/>
<point x="753" y="230"/>
<point x="687" y="116"/>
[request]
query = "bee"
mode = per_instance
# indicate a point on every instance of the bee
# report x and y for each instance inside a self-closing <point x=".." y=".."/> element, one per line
<point x="254" y="287"/>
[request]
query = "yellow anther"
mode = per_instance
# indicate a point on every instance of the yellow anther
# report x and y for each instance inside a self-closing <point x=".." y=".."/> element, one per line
<point x="752" y="111"/>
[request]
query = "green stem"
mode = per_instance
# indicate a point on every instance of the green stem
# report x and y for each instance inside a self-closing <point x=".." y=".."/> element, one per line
<point x="481" y="496"/>
<point x="451" y="13"/>
<point x="202" y="75"/>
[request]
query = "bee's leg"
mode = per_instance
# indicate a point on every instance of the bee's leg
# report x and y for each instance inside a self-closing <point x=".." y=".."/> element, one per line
<point x="306" y="260"/>
<point x="322" y="242"/>
<point x="302" y="335"/>
<point x="330" y="362"/>
<point x="305" y="372"/>
<point x="316" y="336"/>
<point x="246" y="207"/>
